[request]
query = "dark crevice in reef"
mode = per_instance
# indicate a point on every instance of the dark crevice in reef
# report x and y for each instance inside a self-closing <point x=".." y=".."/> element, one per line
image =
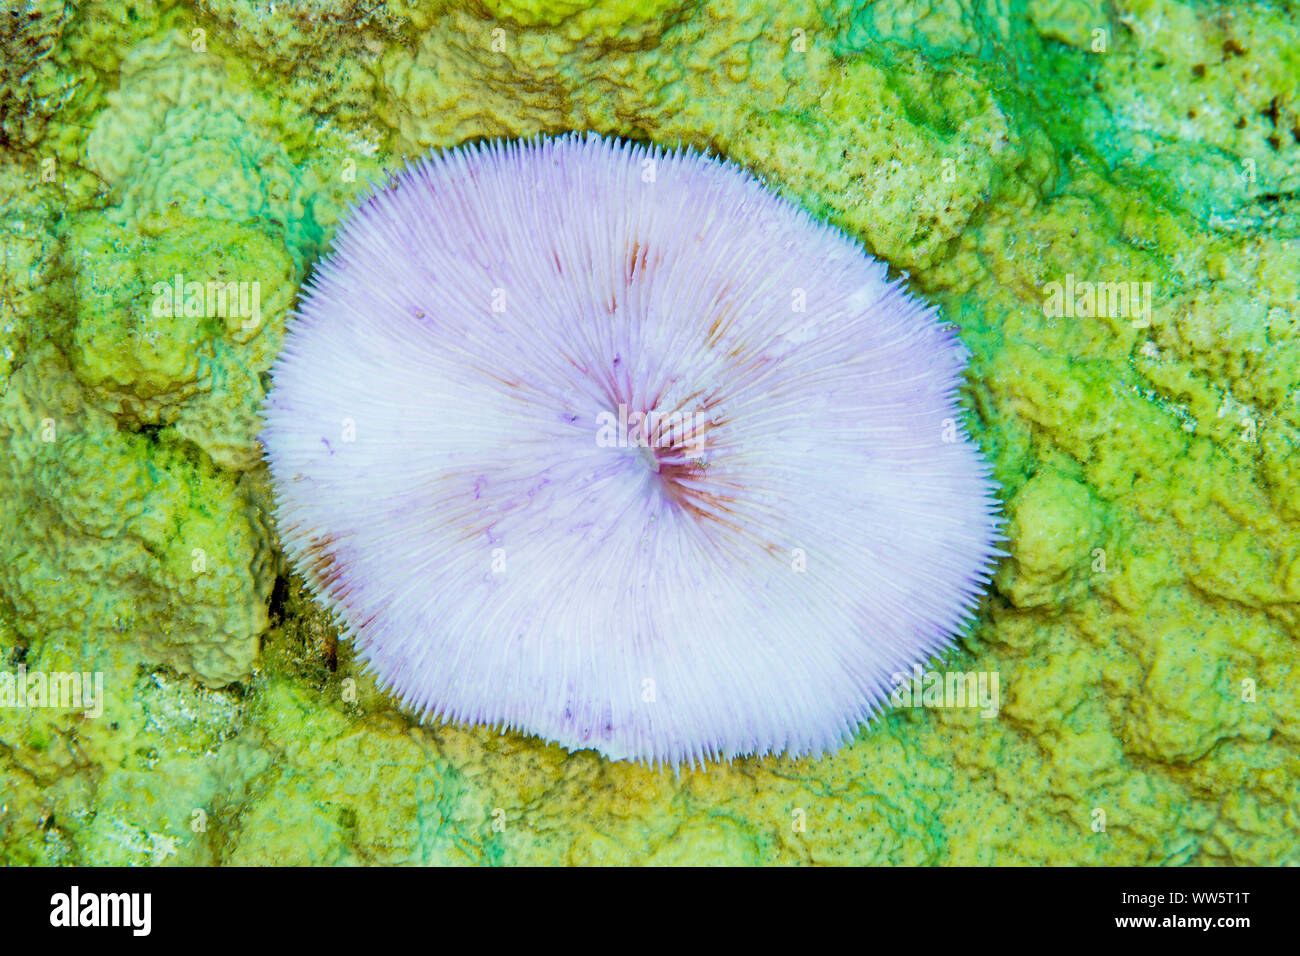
<point x="277" y="609"/>
<point x="151" y="432"/>
<point x="301" y="639"/>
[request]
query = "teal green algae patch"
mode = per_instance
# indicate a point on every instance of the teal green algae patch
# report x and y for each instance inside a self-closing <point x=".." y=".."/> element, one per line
<point x="1142" y="630"/>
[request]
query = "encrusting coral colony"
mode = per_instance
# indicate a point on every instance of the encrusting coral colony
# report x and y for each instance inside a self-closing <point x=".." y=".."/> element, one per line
<point x="1103" y="198"/>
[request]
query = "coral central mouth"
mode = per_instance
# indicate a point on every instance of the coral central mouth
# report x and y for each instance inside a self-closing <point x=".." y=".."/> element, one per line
<point x="648" y="456"/>
<point x="672" y="447"/>
<point x="678" y="476"/>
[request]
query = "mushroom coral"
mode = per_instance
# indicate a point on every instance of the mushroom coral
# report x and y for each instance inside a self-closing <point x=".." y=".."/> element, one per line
<point x="614" y="446"/>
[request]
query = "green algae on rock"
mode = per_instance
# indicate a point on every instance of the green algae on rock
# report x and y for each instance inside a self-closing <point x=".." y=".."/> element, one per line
<point x="123" y="545"/>
<point x="172" y="322"/>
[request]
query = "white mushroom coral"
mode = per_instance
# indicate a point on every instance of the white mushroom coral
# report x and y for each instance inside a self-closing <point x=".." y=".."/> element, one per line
<point x="616" y="447"/>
